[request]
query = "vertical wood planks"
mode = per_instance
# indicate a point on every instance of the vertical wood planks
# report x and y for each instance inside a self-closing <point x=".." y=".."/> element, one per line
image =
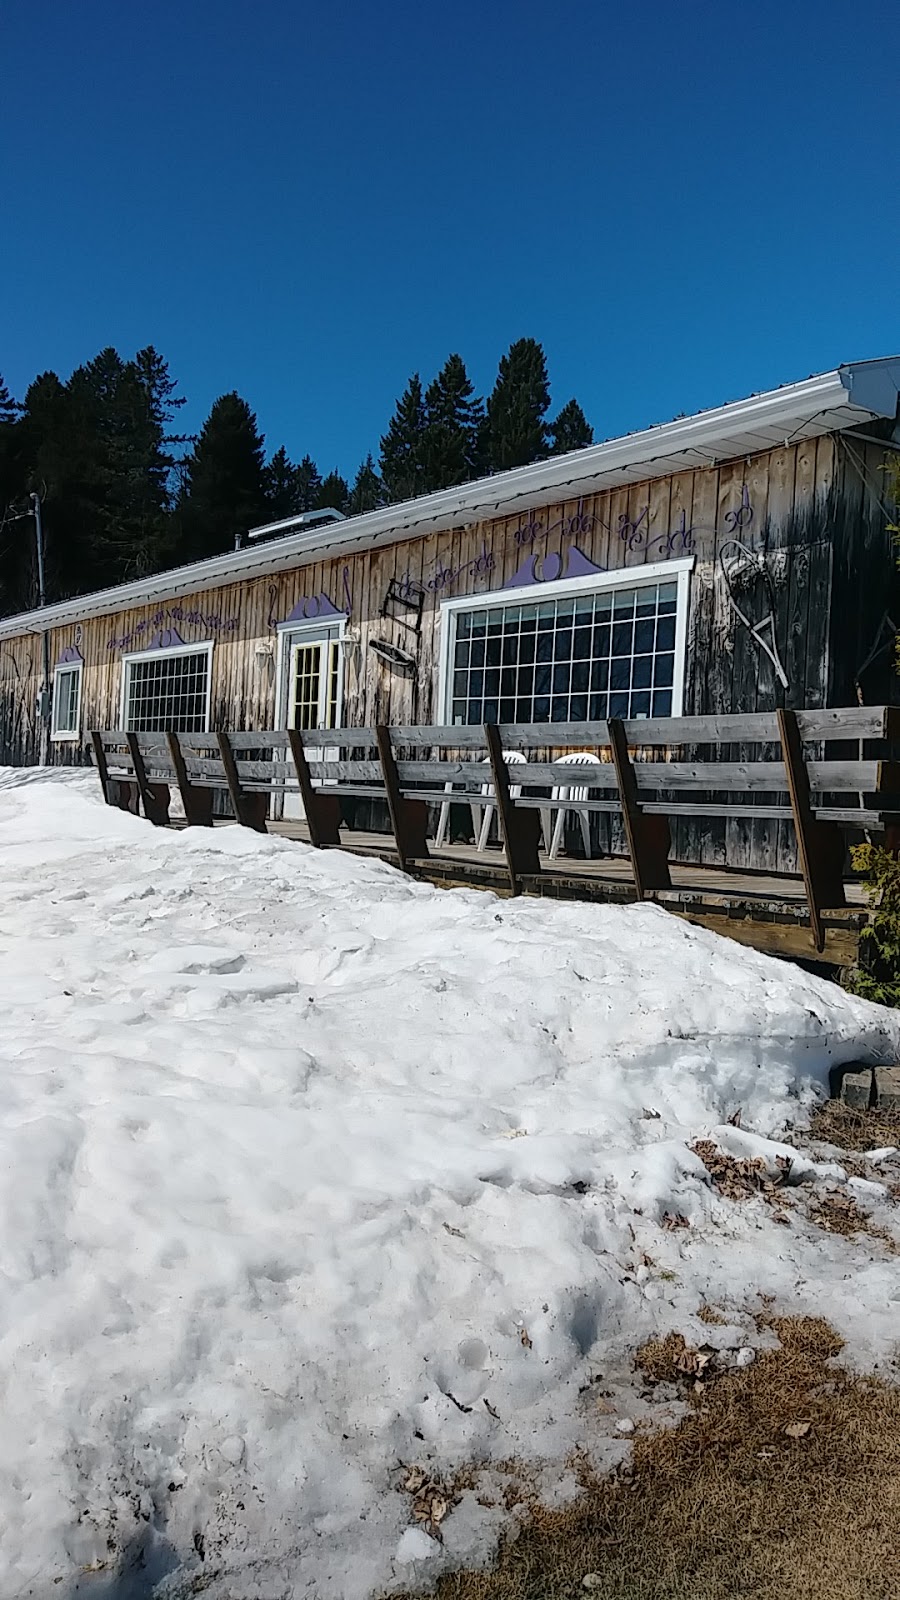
<point x="519" y="829"/>
<point x="648" y="836"/>
<point x="820" y="845"/>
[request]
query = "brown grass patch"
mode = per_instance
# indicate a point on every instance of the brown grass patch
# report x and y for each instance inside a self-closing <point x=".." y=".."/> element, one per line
<point x="837" y="1124"/>
<point x="712" y="1317"/>
<point x="671" y="1360"/>
<point x="784" y="1478"/>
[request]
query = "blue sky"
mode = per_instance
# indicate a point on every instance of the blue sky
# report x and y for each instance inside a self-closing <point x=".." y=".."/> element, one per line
<point x="685" y="203"/>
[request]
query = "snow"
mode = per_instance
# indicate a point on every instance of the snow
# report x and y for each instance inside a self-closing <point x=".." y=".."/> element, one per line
<point x="307" y="1171"/>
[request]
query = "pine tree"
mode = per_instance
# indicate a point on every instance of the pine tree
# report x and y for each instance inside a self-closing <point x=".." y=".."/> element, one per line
<point x="9" y="408"/>
<point x="225" y="491"/>
<point x="309" y="482"/>
<point x="121" y="410"/>
<point x="282" y="488"/>
<point x="13" y="542"/>
<point x="367" y="493"/>
<point x="570" y="430"/>
<point x="454" y="423"/>
<point x="334" y="495"/>
<point x="516" y="431"/>
<point x="403" y="446"/>
<point x="58" y="448"/>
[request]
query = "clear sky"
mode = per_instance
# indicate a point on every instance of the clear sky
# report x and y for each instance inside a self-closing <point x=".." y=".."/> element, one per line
<point x="685" y="202"/>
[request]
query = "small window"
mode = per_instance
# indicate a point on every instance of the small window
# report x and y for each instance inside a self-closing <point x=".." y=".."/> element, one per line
<point x="167" y="691"/>
<point x="66" y="723"/>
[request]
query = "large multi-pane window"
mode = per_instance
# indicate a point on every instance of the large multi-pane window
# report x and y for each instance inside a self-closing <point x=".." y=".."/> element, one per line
<point x="575" y="656"/>
<point x="167" y="690"/>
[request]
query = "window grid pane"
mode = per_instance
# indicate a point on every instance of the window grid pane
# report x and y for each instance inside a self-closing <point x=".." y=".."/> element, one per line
<point x="66" y="693"/>
<point x="167" y="693"/>
<point x="568" y="659"/>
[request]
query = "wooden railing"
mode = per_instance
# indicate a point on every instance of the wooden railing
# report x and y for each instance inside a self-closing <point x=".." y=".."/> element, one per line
<point x="639" y="772"/>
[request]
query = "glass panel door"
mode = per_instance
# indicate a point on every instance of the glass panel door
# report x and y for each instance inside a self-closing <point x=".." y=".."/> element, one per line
<point x="311" y="696"/>
<point x="314" y="684"/>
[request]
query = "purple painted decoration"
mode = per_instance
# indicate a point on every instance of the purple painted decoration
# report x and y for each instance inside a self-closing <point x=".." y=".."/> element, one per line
<point x="210" y="622"/>
<point x="70" y="657"/>
<point x="310" y="606"/>
<point x="743" y="516"/>
<point x="167" y="639"/>
<point x="572" y="563"/>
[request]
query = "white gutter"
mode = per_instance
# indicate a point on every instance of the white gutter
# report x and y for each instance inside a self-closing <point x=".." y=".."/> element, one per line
<point x="844" y="398"/>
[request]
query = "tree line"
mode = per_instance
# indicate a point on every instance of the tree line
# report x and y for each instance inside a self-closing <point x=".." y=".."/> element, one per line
<point x="124" y="493"/>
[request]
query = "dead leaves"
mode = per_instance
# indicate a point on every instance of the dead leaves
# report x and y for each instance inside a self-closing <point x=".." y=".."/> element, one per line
<point x="671" y="1360"/>
<point x="524" y="1339"/>
<point x="673" y="1220"/>
<point x="693" y="1362"/>
<point x="432" y="1502"/>
<point x="796" y="1430"/>
<point x="740" y="1179"/>
<point x="838" y="1213"/>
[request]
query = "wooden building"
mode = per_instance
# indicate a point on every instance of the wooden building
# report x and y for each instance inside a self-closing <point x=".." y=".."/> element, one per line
<point x="735" y="560"/>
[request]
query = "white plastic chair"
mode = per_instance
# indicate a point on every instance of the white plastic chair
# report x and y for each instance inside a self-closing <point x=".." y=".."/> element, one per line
<point x="481" y="815"/>
<point x="561" y="796"/>
<point x="512" y="758"/>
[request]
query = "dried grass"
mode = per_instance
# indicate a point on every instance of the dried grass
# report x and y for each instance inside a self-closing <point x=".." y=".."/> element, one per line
<point x="784" y="1478"/>
<point x="712" y="1317"/>
<point x="849" y="1129"/>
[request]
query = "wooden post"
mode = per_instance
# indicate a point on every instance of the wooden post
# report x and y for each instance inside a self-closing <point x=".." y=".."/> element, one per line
<point x="155" y="803"/>
<point x="197" y="802"/>
<point x="323" y="811"/>
<point x="820" y="845"/>
<point x="520" y="829"/>
<point x="102" y="768"/>
<point x="247" y="814"/>
<point x="409" y="818"/>
<point x="649" y="839"/>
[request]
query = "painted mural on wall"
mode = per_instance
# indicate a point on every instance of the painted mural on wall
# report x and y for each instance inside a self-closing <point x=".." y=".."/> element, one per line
<point x="209" y="622"/>
<point x="637" y="531"/>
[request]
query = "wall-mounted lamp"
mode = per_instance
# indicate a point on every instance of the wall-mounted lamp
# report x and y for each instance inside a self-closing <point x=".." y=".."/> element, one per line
<point x="264" y="651"/>
<point x="349" y="643"/>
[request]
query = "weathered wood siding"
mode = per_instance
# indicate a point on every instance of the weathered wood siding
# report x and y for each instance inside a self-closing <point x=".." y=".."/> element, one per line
<point x="811" y="508"/>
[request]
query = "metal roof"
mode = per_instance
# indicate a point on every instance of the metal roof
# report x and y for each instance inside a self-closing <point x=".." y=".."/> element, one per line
<point x="847" y="397"/>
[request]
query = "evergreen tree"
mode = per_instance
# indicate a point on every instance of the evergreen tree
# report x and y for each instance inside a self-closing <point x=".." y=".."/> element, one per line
<point x="282" y="488"/>
<point x="119" y="410"/>
<point x="570" y="430"/>
<point x="9" y="408"/>
<point x="57" y="447"/>
<point x="14" y="541"/>
<point x="516" y="431"/>
<point x="225" y="491"/>
<point x="334" y="495"/>
<point x="367" y="493"/>
<point x="403" y="446"/>
<point x="454" y="423"/>
<point x="309" y="482"/>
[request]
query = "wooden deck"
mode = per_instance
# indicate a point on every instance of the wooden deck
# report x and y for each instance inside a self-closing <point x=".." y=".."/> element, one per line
<point x="766" y="911"/>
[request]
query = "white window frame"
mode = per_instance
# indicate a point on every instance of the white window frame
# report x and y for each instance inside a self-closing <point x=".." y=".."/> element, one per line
<point x="678" y="569"/>
<point x="307" y="628"/>
<point x="67" y="733"/>
<point x="205" y="647"/>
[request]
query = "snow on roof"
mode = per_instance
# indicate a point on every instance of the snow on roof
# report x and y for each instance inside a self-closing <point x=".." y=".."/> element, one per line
<point x="846" y="397"/>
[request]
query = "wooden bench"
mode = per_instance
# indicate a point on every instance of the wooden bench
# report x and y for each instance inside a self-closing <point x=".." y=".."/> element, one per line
<point x="648" y="774"/>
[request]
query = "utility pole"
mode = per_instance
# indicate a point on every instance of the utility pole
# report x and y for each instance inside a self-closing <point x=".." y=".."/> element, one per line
<point x="44" y="696"/>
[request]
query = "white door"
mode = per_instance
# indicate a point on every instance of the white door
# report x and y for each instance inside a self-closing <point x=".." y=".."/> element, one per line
<point x="312" y="689"/>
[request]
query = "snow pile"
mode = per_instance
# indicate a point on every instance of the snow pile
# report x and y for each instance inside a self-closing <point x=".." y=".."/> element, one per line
<point x="308" y="1170"/>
